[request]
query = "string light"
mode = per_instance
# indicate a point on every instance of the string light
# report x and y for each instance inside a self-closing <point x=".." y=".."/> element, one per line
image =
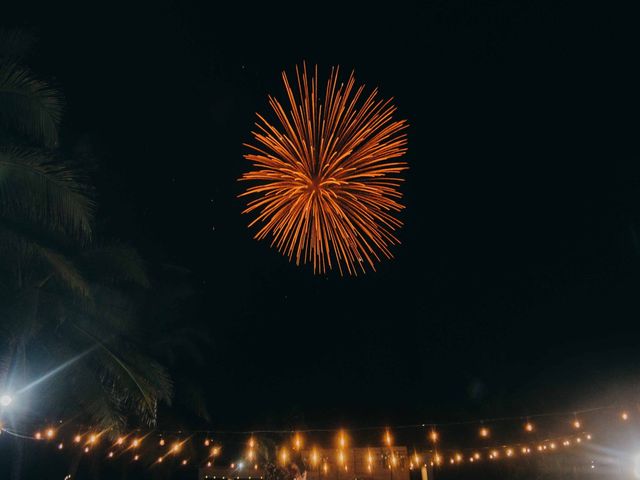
<point x="206" y="442"/>
<point x="528" y="427"/>
<point x="86" y="449"/>
<point x="314" y="457"/>
<point x="297" y="441"/>
<point x="624" y="416"/>
<point x="176" y="447"/>
<point x="208" y="464"/>
<point x="135" y="443"/>
<point x="50" y="433"/>
<point x="484" y="432"/>
<point x="433" y="436"/>
<point x="342" y="439"/>
<point x="509" y="452"/>
<point x="161" y="442"/>
<point x="284" y="455"/>
<point x="92" y="439"/>
<point x="184" y="462"/>
<point x="38" y="436"/>
<point x="387" y="438"/>
<point x="136" y="458"/>
<point x="160" y="459"/>
<point x="110" y="455"/>
<point x="60" y="446"/>
<point x="120" y="441"/>
<point x="576" y="424"/>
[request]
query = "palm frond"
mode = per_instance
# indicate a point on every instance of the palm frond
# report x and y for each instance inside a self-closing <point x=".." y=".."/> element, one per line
<point x="41" y="189"/>
<point x="116" y="263"/>
<point x="30" y="105"/>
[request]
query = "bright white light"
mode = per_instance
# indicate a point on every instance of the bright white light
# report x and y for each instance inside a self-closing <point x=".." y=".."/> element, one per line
<point x="240" y="465"/>
<point x="5" y="400"/>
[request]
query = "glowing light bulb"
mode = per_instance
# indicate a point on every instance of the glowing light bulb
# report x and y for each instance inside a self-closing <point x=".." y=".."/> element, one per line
<point x="215" y="451"/>
<point x="110" y="455"/>
<point x="92" y="439"/>
<point x="624" y="416"/>
<point x="135" y="443"/>
<point x="325" y="468"/>
<point x="589" y="437"/>
<point x="38" y="436"/>
<point x="577" y="424"/>
<point x="60" y="446"/>
<point x="136" y="458"/>
<point x="552" y="446"/>
<point x="86" y="449"/>
<point x="162" y="442"/>
<point x="387" y="438"/>
<point x="160" y="459"/>
<point x="524" y="449"/>
<point x="175" y="448"/>
<point x="458" y="457"/>
<point x="484" y="432"/>
<point x="509" y="452"/>
<point x="495" y="454"/>
<point x="314" y="457"/>
<point x="50" y="433"/>
<point x="6" y="400"/>
<point x="284" y="455"/>
<point x="77" y="438"/>
<point x="120" y="441"/>
<point x="528" y="427"/>
<point x="207" y="442"/>
<point x="578" y="439"/>
<point x="184" y="462"/>
<point x="476" y="456"/>
<point x="297" y="441"/>
<point x="342" y="439"/>
<point x="208" y="464"/>
<point x="433" y="436"/>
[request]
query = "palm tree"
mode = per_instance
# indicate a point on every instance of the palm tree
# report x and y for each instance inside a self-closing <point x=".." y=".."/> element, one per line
<point x="63" y="294"/>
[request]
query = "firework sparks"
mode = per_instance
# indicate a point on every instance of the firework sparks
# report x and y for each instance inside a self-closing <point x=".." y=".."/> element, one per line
<point x="328" y="175"/>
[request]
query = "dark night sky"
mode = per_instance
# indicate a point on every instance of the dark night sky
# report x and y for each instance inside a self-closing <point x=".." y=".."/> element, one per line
<point x="515" y="288"/>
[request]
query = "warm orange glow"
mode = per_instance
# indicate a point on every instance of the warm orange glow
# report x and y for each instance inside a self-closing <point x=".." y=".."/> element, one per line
<point x="476" y="456"/>
<point x="120" y="441"/>
<point x="577" y="424"/>
<point x="433" y="436"/>
<point x="60" y="446"/>
<point x="528" y="427"/>
<point x="208" y="464"/>
<point x="342" y="439"/>
<point x="484" y="432"/>
<point x="341" y="457"/>
<point x="175" y="448"/>
<point x="207" y="442"/>
<point x="624" y="416"/>
<point x="86" y="449"/>
<point x="215" y="451"/>
<point x="184" y="462"/>
<point x="509" y="452"/>
<point x="387" y="438"/>
<point x="325" y="467"/>
<point x="161" y="442"/>
<point x="38" y="436"/>
<point x="135" y="443"/>
<point x="93" y="438"/>
<point x="160" y="459"/>
<point x="284" y="455"/>
<point x="328" y="174"/>
<point x="77" y="438"/>
<point x="110" y="455"/>
<point x="136" y="457"/>
<point x="50" y="433"/>
<point x="297" y="441"/>
<point x="314" y="457"/>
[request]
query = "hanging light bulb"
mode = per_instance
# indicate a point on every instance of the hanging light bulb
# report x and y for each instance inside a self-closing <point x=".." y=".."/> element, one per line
<point x="484" y="432"/>
<point x="50" y="433"/>
<point x="528" y="427"/>
<point x="175" y="448"/>
<point x="161" y="442"/>
<point x="135" y="443"/>
<point x="576" y="424"/>
<point x="433" y="435"/>
<point x="314" y="457"/>
<point x="120" y="441"/>
<point x="60" y="446"/>
<point x="207" y="442"/>
<point x="624" y="416"/>
<point x="387" y="438"/>
<point x="110" y="455"/>
<point x="509" y="452"/>
<point x="160" y="459"/>
<point x="297" y="441"/>
<point x="77" y="438"/>
<point x="136" y="458"/>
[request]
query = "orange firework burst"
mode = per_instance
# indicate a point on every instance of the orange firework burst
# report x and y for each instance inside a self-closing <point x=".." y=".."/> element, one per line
<point x="328" y="175"/>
